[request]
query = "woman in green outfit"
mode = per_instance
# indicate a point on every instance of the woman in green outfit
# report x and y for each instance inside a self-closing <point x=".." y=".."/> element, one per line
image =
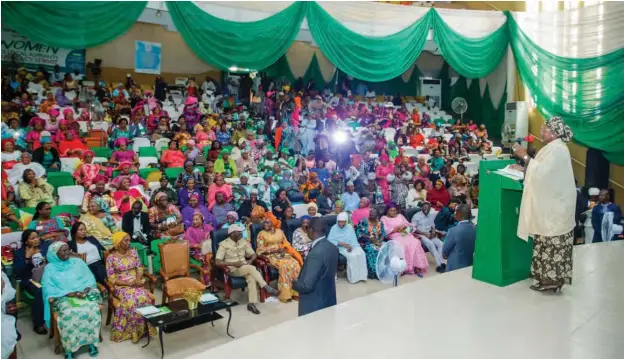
<point x="69" y="282"/>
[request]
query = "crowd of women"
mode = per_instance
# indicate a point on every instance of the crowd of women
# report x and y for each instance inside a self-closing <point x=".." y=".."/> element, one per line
<point x="240" y="163"/>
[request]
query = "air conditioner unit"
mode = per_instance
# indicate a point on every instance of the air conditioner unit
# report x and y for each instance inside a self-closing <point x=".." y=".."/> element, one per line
<point x="431" y="88"/>
<point x="516" y="122"/>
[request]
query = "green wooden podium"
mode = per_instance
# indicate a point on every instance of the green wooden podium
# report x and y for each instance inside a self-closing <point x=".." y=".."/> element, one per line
<point x="501" y="258"/>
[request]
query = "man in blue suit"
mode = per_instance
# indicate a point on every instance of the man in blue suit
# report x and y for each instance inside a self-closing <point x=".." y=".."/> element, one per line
<point x="603" y="206"/>
<point x="459" y="244"/>
<point x="316" y="283"/>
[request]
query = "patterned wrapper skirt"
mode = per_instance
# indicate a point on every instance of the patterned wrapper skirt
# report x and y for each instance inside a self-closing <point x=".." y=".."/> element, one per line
<point x="552" y="259"/>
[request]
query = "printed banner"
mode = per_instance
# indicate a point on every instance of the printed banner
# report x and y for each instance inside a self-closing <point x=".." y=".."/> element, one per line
<point x="32" y="55"/>
<point x="147" y="57"/>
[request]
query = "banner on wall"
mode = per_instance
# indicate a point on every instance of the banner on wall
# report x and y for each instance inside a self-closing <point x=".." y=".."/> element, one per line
<point x="148" y="56"/>
<point x="32" y="55"/>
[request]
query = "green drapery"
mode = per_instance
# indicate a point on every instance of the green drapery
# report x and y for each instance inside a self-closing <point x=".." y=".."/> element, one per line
<point x="249" y="45"/>
<point x="71" y="24"/>
<point x="390" y="87"/>
<point x="585" y="92"/>
<point x="374" y="59"/>
<point x="280" y="68"/>
<point x="471" y="57"/>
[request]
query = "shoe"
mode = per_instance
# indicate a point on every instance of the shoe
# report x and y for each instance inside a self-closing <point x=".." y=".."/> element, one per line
<point x="443" y="265"/>
<point x="41" y="330"/>
<point x="69" y="355"/>
<point x="440" y="269"/>
<point x="252" y="308"/>
<point x="271" y="291"/>
<point x="420" y="275"/>
<point x="93" y="351"/>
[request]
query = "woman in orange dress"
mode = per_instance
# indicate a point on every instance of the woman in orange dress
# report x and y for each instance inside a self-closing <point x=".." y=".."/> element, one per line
<point x="172" y="157"/>
<point x="273" y="245"/>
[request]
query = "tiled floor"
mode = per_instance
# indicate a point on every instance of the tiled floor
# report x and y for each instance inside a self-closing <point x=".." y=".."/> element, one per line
<point x="448" y="316"/>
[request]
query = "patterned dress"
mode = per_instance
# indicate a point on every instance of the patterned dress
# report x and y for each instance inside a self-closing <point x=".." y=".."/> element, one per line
<point x="287" y="265"/>
<point x="127" y="324"/>
<point x="371" y="239"/>
<point x="301" y="242"/>
<point x="79" y="321"/>
<point x="87" y="172"/>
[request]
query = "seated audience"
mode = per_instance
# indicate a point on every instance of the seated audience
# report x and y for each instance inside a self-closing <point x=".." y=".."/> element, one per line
<point x="87" y="171"/>
<point x="189" y="191"/>
<point x="416" y="195"/>
<point x="424" y="228"/>
<point x="71" y="286"/>
<point x="28" y="265"/>
<point x="165" y="187"/>
<point x="125" y="196"/>
<point x="606" y="218"/>
<point x="438" y="196"/>
<point x="34" y="190"/>
<point x="350" y="198"/>
<point x="445" y="219"/>
<point x="196" y="207"/>
<point x="165" y="218"/>
<point x="125" y="273"/>
<point x="46" y="155"/>
<point x="246" y="208"/>
<point x="136" y="224"/>
<point x="343" y="236"/>
<point x="238" y="257"/>
<point x="48" y="228"/>
<point x="459" y="243"/>
<point x="99" y="224"/>
<point x="90" y="247"/>
<point x="371" y="234"/>
<point x="172" y="157"/>
<point x="273" y="245"/>
<point x="398" y="229"/>
<point x="301" y="240"/>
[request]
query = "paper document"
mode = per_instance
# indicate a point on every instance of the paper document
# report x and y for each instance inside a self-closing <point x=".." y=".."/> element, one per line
<point x="208" y="298"/>
<point x="511" y="173"/>
<point x="149" y="310"/>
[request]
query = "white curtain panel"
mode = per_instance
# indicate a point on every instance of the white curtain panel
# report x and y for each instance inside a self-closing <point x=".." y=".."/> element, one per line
<point x="373" y="19"/>
<point x="243" y="11"/>
<point x="496" y="81"/>
<point x="577" y="33"/>
<point x="473" y="24"/>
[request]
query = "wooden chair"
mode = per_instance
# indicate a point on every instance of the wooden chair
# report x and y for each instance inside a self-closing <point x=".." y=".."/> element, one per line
<point x="175" y="270"/>
<point x="114" y="301"/>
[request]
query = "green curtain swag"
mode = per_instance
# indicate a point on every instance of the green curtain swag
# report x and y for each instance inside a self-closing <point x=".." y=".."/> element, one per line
<point x="314" y="73"/>
<point x="585" y="92"/>
<point x="374" y="59"/>
<point x="71" y="24"/>
<point x="471" y="57"/>
<point x="249" y="45"/>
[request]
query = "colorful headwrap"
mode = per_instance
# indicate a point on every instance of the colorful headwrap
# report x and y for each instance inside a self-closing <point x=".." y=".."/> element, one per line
<point x="312" y="176"/>
<point x="36" y="120"/>
<point x="66" y="111"/>
<point x="190" y="101"/>
<point x="120" y="141"/>
<point x="88" y="153"/>
<point x="45" y="139"/>
<point x="258" y="212"/>
<point x="124" y="165"/>
<point x="194" y="195"/>
<point x="159" y="195"/>
<point x="274" y="221"/>
<point x="188" y="162"/>
<point x="312" y="205"/>
<point x="306" y="217"/>
<point x="233" y="214"/>
<point x="63" y="122"/>
<point x="384" y="157"/>
<point x="8" y="140"/>
<point x="53" y="112"/>
<point x="563" y="131"/>
<point x="268" y="174"/>
<point x="100" y="178"/>
<point x="118" y="237"/>
<point x="366" y="202"/>
<point x="339" y="203"/>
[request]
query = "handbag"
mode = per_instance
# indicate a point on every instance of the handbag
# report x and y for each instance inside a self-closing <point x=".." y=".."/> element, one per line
<point x="175" y="231"/>
<point x="8" y="251"/>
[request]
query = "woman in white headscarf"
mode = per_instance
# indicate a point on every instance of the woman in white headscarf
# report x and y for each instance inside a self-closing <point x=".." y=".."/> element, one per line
<point x="342" y="235"/>
<point x="548" y="205"/>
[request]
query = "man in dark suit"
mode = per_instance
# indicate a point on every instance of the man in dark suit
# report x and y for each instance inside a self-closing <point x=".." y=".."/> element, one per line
<point x="136" y="224"/>
<point x="459" y="244"/>
<point x="317" y="281"/>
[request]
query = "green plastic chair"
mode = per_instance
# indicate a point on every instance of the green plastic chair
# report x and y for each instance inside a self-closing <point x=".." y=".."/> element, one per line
<point x="148" y="152"/>
<point x="116" y="173"/>
<point x="60" y="179"/>
<point x="102" y="152"/>
<point x="56" y="210"/>
<point x="141" y="252"/>
<point x="156" y="255"/>
<point x="173" y="173"/>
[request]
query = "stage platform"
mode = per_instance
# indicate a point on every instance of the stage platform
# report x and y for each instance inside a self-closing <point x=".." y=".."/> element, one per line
<point x="454" y="316"/>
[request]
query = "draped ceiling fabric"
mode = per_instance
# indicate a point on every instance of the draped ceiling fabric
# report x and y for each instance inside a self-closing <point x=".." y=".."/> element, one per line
<point x="223" y="43"/>
<point x="573" y="65"/>
<point x="71" y="24"/>
<point x="364" y="57"/>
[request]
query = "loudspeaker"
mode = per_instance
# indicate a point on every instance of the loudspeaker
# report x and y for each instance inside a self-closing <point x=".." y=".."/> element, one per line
<point x="596" y="169"/>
